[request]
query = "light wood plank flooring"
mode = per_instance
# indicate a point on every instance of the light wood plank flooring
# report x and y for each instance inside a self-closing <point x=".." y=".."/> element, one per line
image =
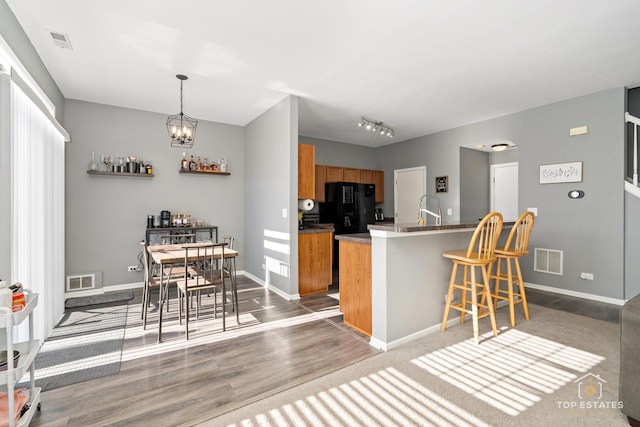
<point x="278" y="344"/>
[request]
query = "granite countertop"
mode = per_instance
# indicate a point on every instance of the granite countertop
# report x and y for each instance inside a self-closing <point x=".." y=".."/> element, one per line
<point x="317" y="228"/>
<point x="413" y="227"/>
<point x="355" y="237"/>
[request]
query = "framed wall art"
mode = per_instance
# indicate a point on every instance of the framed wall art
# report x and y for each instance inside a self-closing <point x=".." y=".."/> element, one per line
<point x="560" y="172"/>
<point x="442" y="184"/>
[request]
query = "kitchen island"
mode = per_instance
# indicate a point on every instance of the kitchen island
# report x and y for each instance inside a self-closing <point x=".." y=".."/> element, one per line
<point x="410" y="278"/>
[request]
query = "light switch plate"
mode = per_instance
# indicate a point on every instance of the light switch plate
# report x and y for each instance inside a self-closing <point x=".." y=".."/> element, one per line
<point x="284" y="212"/>
<point x="534" y="210"/>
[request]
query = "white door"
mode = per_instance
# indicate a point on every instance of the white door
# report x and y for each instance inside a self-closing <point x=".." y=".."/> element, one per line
<point x="504" y="190"/>
<point x="409" y="185"/>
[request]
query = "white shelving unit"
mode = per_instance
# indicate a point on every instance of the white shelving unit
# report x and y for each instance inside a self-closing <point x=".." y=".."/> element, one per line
<point x="28" y="351"/>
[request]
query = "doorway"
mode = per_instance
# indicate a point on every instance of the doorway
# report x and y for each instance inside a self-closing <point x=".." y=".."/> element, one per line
<point x="504" y="190"/>
<point x="409" y="185"/>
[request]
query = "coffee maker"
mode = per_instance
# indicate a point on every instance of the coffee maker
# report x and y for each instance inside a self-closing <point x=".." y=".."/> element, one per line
<point x="165" y="219"/>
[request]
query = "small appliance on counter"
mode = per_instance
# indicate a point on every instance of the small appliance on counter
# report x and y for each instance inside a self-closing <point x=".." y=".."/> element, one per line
<point x="165" y="219"/>
<point x="379" y="215"/>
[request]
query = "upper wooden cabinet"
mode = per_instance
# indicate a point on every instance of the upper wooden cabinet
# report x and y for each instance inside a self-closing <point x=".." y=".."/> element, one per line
<point x="366" y="176"/>
<point x="326" y="173"/>
<point x="378" y="180"/>
<point x="335" y="174"/>
<point x="321" y="178"/>
<point x="351" y="175"/>
<point x="306" y="171"/>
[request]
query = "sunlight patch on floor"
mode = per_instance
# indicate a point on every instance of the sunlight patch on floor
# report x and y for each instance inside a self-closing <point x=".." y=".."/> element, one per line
<point x="209" y="331"/>
<point x="387" y="397"/>
<point x="510" y="372"/>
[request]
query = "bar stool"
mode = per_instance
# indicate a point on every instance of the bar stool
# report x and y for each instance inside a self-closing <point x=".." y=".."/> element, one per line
<point x="516" y="246"/>
<point x="480" y="253"/>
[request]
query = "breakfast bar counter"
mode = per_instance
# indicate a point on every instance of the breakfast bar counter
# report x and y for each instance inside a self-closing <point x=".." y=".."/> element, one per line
<point x="409" y="278"/>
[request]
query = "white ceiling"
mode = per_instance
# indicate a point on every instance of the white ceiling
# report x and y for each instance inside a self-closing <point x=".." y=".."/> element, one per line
<point x="419" y="66"/>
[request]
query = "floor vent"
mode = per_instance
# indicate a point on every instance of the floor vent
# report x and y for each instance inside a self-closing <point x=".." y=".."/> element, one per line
<point x="548" y="261"/>
<point x="81" y="282"/>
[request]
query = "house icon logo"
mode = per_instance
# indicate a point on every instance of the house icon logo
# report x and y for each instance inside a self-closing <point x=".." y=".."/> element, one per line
<point x="590" y="387"/>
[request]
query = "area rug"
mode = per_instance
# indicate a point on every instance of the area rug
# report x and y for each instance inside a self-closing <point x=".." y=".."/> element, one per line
<point x="86" y="344"/>
<point x="556" y="369"/>
<point x="105" y="298"/>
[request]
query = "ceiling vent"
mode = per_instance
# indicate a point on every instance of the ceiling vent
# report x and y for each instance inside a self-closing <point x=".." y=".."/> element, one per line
<point x="60" y="39"/>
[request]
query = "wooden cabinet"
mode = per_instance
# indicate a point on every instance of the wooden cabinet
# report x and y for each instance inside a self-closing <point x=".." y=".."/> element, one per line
<point x="306" y="171"/>
<point x="326" y="173"/>
<point x="335" y="174"/>
<point x="321" y="178"/>
<point x="351" y="175"/>
<point x="366" y="176"/>
<point x="378" y="180"/>
<point x="355" y="285"/>
<point x="314" y="262"/>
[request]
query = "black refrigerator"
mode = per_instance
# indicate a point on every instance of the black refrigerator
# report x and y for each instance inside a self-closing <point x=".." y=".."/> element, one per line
<point x="350" y="207"/>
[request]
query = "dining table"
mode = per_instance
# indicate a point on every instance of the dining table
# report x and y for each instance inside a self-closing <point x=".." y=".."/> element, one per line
<point x="174" y="254"/>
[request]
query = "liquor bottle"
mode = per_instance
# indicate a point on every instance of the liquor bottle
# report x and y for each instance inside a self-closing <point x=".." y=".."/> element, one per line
<point x="198" y="163"/>
<point x="183" y="162"/>
<point x="149" y="168"/>
<point x="205" y="164"/>
<point x="192" y="164"/>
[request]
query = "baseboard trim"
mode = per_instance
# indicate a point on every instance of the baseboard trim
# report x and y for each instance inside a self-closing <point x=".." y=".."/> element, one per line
<point x="100" y="291"/>
<point x="575" y="294"/>
<point x="272" y="288"/>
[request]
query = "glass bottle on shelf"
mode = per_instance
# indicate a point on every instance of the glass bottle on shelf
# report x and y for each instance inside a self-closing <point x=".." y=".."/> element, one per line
<point x="93" y="165"/>
<point x="192" y="163"/>
<point x="183" y="162"/>
<point x="149" y="167"/>
<point x="223" y="165"/>
<point x="205" y="164"/>
<point x="198" y="164"/>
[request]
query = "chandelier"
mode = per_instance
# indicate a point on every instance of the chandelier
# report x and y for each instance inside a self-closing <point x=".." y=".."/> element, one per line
<point x="181" y="128"/>
<point x="376" y="126"/>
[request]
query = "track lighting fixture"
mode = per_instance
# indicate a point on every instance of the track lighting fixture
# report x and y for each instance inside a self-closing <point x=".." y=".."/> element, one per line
<point x="376" y="127"/>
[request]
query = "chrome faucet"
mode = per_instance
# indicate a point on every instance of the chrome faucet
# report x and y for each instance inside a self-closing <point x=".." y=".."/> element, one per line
<point x="438" y="216"/>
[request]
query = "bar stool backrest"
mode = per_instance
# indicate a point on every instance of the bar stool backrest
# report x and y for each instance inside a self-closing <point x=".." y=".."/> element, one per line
<point x="485" y="237"/>
<point x="518" y="240"/>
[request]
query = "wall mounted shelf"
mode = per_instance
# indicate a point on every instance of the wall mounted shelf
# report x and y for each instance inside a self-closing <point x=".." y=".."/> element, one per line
<point x="204" y="172"/>
<point x="138" y="175"/>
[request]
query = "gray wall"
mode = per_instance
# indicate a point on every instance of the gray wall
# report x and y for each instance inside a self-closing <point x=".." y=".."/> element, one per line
<point x="589" y="230"/>
<point x="474" y="184"/>
<point x="106" y="215"/>
<point x="14" y="35"/>
<point x="271" y="185"/>
<point x="340" y="154"/>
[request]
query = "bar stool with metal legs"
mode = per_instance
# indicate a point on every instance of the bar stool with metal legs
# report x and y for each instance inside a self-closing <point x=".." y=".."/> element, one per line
<point x="516" y="246"/>
<point x="480" y="253"/>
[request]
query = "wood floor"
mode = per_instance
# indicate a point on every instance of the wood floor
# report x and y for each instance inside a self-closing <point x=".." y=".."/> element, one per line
<point x="277" y="345"/>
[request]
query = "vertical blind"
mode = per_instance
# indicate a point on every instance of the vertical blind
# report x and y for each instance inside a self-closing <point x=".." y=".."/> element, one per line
<point x="37" y="210"/>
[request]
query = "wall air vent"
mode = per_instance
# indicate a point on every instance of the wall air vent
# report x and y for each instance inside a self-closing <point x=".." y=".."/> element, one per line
<point x="548" y="261"/>
<point x="60" y="39"/>
<point x="81" y="282"/>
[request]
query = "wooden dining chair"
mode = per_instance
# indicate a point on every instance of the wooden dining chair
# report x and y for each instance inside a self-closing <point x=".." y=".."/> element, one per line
<point x="153" y="281"/>
<point x="516" y="246"/>
<point x="230" y="270"/>
<point x="208" y="274"/>
<point x="479" y="254"/>
<point x="174" y="239"/>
